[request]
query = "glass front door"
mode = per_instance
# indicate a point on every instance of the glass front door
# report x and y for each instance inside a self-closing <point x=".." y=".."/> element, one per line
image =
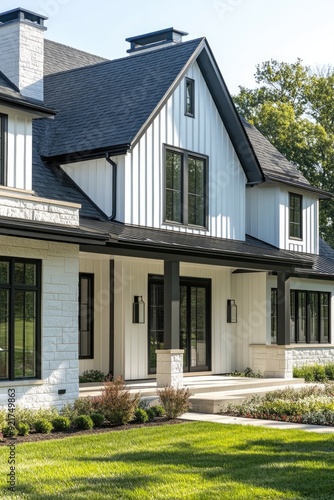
<point x="195" y="314"/>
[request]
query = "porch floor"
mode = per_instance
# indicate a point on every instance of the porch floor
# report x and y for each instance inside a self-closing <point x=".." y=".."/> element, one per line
<point x="209" y="392"/>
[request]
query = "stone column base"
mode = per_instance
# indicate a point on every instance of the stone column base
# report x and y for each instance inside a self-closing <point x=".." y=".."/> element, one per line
<point x="170" y="368"/>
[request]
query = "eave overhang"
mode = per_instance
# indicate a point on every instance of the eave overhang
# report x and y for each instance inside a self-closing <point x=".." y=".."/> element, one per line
<point x="39" y="110"/>
<point x="51" y="232"/>
<point x="77" y="156"/>
<point x="323" y="195"/>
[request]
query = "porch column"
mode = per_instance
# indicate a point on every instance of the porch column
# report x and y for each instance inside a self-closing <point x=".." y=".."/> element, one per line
<point x="283" y="308"/>
<point x="170" y="360"/>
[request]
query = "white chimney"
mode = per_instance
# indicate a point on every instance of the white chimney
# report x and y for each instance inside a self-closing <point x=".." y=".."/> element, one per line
<point x="22" y="50"/>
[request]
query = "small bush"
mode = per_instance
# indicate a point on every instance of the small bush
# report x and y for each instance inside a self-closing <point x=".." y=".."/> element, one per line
<point x="311" y="373"/>
<point x="3" y="418"/>
<point x="175" y="401"/>
<point x="140" y="416"/>
<point x="83" y="422"/>
<point x="158" y="410"/>
<point x="61" y="423"/>
<point x="247" y="372"/>
<point x="91" y="376"/>
<point x="9" y="431"/>
<point x="30" y="416"/>
<point x="43" y="426"/>
<point x="98" y="419"/>
<point x="329" y="370"/>
<point x="150" y="414"/>
<point x="81" y="406"/>
<point x="23" y="429"/>
<point x="116" y="403"/>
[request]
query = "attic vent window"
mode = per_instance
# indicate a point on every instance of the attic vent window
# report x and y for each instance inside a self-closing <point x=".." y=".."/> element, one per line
<point x="190" y="98"/>
<point x="156" y="39"/>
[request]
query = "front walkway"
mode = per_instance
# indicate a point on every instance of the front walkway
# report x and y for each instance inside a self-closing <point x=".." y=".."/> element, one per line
<point x="273" y="424"/>
<point x="209" y="392"/>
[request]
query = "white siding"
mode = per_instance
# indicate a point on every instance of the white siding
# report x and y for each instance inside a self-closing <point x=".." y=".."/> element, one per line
<point x="249" y="292"/>
<point x="100" y="268"/>
<point x="94" y="177"/>
<point x="131" y="340"/>
<point x="19" y="156"/>
<point x="267" y="218"/>
<point x="205" y="134"/>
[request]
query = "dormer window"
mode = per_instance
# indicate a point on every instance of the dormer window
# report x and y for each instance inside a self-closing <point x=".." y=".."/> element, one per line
<point x="190" y="98"/>
<point x="295" y="216"/>
<point x="3" y="149"/>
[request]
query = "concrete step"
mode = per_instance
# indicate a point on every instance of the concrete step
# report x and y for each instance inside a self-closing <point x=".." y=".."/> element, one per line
<point x="213" y="402"/>
<point x="240" y="383"/>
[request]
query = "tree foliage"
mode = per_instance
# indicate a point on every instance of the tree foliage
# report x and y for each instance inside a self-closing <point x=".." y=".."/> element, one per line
<point x="293" y="107"/>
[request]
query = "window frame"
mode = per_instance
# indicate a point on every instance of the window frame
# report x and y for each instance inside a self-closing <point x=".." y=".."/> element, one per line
<point x="298" y="224"/>
<point x="91" y="298"/>
<point x="12" y="288"/>
<point x="189" y="82"/>
<point x="185" y="154"/>
<point x="3" y="148"/>
<point x="298" y="339"/>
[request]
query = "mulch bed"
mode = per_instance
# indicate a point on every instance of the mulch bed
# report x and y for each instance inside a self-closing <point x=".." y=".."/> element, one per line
<point x="34" y="436"/>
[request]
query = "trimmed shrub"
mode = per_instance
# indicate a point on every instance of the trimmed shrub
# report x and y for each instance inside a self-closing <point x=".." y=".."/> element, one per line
<point x="9" y="431"/>
<point x="175" y="401"/>
<point x="23" y="429"/>
<point x="61" y="423"/>
<point x="43" y="426"/>
<point x="247" y="372"/>
<point x="116" y="403"/>
<point x="150" y="414"/>
<point x="158" y="410"/>
<point x="30" y="416"/>
<point x="98" y="419"/>
<point x="91" y="376"/>
<point x="311" y="373"/>
<point x="140" y="416"/>
<point x="83" y="422"/>
<point x="3" y="418"/>
<point x="329" y="370"/>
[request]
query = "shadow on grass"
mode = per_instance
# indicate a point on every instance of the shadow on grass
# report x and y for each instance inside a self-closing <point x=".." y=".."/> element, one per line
<point x="292" y="467"/>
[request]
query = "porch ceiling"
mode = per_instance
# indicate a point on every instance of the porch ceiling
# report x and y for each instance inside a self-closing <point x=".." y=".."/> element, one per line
<point x="171" y="245"/>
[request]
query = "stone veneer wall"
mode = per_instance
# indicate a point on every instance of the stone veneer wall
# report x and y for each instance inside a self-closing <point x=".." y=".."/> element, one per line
<point x="59" y="325"/>
<point x="279" y="361"/>
<point x="17" y="204"/>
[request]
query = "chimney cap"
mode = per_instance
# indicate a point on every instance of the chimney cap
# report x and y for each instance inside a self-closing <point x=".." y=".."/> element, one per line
<point x="155" y="38"/>
<point x="20" y="14"/>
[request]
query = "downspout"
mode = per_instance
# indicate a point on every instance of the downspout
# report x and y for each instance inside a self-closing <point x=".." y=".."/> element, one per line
<point x="114" y="186"/>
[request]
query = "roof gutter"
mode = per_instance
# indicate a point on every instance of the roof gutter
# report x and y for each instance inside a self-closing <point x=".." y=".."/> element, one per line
<point x="114" y="187"/>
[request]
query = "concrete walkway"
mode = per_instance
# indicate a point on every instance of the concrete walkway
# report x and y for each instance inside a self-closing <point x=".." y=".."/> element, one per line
<point x="224" y="419"/>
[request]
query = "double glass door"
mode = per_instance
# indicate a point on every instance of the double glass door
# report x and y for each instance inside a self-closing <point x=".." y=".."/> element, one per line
<point x="195" y="329"/>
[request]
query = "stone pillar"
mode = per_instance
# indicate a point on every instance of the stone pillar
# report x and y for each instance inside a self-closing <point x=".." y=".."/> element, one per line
<point x="170" y="367"/>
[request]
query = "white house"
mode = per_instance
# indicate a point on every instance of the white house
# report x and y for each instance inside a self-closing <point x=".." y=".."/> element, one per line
<point x="140" y="213"/>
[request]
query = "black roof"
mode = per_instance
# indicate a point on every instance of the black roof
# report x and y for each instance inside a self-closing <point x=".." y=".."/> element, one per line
<point x="105" y="105"/>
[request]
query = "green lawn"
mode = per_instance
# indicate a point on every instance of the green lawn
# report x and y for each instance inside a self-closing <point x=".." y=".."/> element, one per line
<point x="193" y="461"/>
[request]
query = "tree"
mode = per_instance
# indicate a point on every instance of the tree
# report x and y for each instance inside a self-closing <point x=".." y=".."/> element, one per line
<point x="294" y="108"/>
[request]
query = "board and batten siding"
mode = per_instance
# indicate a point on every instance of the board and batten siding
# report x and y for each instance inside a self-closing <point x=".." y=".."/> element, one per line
<point x="131" y="340"/>
<point x="205" y="134"/>
<point x="99" y="267"/>
<point x="249" y="291"/>
<point x="94" y="177"/>
<point x="267" y="218"/>
<point x="19" y="149"/>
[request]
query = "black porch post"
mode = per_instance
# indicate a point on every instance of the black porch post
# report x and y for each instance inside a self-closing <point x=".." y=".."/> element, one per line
<point x="172" y="304"/>
<point x="283" y="308"/>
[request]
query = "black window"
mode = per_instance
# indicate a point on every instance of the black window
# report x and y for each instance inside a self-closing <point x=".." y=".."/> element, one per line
<point x="86" y="316"/>
<point x="3" y="149"/>
<point x="295" y="215"/>
<point x="20" y="295"/>
<point x="309" y="316"/>
<point x="185" y="188"/>
<point x="190" y="98"/>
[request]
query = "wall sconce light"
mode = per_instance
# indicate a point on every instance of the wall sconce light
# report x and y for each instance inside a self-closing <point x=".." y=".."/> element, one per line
<point x="231" y="311"/>
<point x="138" y="312"/>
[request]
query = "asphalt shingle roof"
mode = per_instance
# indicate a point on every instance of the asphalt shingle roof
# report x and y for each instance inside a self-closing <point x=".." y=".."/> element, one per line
<point x="106" y="105"/>
<point x="59" y="57"/>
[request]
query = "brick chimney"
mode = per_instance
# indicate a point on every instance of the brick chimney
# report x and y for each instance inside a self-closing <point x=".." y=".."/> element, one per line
<point x="22" y="50"/>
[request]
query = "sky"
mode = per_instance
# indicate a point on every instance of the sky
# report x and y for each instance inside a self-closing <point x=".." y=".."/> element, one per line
<point x="241" y="33"/>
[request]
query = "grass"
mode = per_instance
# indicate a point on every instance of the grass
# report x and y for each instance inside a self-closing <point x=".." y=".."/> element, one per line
<point x="192" y="461"/>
